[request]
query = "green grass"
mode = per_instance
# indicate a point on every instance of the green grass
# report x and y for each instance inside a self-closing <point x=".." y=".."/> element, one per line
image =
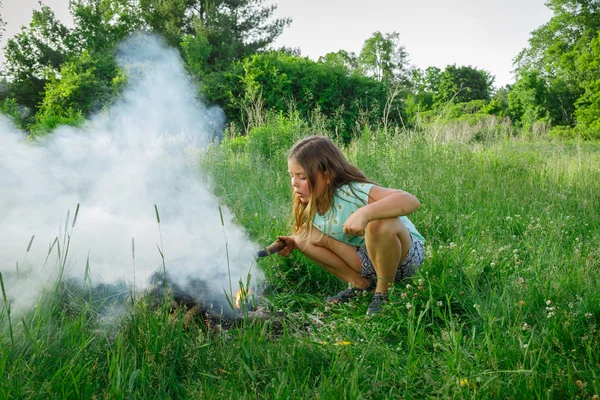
<point x="506" y="304"/>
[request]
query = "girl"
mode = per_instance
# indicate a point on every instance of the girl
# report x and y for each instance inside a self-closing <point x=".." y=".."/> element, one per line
<point x="348" y="225"/>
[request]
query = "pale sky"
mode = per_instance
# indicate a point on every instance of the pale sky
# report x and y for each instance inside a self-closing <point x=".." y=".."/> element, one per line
<point x="486" y="34"/>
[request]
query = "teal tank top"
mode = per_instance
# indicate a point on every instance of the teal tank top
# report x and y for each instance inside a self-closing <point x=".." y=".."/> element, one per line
<point x="346" y="201"/>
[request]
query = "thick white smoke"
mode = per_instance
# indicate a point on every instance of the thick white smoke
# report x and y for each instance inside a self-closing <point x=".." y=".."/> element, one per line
<point x="141" y="152"/>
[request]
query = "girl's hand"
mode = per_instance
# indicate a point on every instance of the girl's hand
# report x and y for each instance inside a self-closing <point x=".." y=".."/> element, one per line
<point x="290" y="245"/>
<point x="356" y="224"/>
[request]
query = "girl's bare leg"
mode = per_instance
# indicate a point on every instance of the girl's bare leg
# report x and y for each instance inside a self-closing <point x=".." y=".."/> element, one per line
<point x="388" y="242"/>
<point x="336" y="257"/>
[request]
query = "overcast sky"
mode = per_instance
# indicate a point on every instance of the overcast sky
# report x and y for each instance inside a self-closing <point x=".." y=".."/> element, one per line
<point x="486" y="34"/>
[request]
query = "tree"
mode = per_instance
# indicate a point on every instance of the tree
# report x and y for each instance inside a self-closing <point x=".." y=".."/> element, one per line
<point x="341" y="58"/>
<point x="554" y="47"/>
<point x="556" y="51"/>
<point x="34" y="54"/>
<point x="383" y="59"/>
<point x="234" y="29"/>
<point x="527" y="99"/>
<point x="47" y="52"/>
<point x="588" y="105"/>
<point x="2" y="23"/>
<point x="464" y="84"/>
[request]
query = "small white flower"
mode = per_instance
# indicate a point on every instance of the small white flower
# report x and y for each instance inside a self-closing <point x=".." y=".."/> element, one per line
<point x="408" y="286"/>
<point x="525" y="326"/>
<point x="492" y="264"/>
<point x="548" y="302"/>
<point x="550" y="315"/>
<point x="452" y="245"/>
<point x="588" y="315"/>
<point x="408" y="306"/>
<point x="476" y="306"/>
<point x="439" y="303"/>
<point x="525" y="345"/>
<point x="420" y="281"/>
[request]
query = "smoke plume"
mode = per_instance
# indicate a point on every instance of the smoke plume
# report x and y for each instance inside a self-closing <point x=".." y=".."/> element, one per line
<point x="141" y="152"/>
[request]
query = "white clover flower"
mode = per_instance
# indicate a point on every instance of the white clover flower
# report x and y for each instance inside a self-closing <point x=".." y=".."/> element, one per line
<point x="492" y="264"/>
<point x="476" y="306"/>
<point x="452" y="245"/>
<point x="408" y="286"/>
<point x="408" y="306"/>
<point x="588" y="315"/>
<point x="525" y="345"/>
<point x="550" y="315"/>
<point x="525" y="326"/>
<point x="548" y="302"/>
<point x="439" y="303"/>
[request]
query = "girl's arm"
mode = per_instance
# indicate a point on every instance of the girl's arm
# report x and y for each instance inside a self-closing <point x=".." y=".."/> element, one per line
<point x="383" y="203"/>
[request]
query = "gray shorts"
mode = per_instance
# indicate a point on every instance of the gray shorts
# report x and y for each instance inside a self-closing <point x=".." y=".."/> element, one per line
<point x="407" y="268"/>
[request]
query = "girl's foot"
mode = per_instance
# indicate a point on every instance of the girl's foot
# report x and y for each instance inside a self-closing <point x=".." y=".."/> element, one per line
<point x="351" y="292"/>
<point x="379" y="299"/>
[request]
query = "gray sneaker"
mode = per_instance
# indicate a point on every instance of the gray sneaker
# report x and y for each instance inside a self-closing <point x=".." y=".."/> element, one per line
<point x="351" y="292"/>
<point x="379" y="299"/>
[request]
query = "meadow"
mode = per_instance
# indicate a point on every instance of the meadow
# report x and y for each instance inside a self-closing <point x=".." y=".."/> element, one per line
<point x="506" y="304"/>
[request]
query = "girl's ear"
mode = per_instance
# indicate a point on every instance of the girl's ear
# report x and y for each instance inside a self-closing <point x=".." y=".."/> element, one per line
<point x="326" y="178"/>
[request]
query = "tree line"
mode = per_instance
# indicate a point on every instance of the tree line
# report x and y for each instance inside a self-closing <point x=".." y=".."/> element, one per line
<point x="54" y="74"/>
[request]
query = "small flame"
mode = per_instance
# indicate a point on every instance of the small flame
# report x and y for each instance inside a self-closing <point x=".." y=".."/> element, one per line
<point x="241" y="297"/>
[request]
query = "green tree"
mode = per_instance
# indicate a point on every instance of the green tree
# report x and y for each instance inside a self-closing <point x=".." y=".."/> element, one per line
<point x="34" y="54"/>
<point x="282" y="81"/>
<point x="464" y="84"/>
<point x="527" y="99"/>
<point x="341" y="58"/>
<point x="234" y="29"/>
<point x="588" y="105"/>
<point x="2" y="23"/>
<point x="383" y="58"/>
<point x="556" y="51"/>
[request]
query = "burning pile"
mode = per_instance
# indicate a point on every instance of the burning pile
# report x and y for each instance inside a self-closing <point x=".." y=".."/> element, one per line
<point x="198" y="301"/>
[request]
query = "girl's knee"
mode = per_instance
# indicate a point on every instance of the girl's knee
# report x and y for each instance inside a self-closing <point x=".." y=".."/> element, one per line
<point x="383" y="227"/>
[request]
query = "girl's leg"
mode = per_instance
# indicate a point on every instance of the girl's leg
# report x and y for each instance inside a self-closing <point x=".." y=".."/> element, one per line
<point x="388" y="242"/>
<point x="336" y="257"/>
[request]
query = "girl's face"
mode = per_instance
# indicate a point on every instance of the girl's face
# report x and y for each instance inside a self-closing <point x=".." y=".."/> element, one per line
<point x="300" y="182"/>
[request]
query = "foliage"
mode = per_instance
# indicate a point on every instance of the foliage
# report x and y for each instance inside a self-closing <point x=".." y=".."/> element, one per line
<point x="588" y="105"/>
<point x="560" y="52"/>
<point x="233" y="30"/>
<point x="463" y="84"/>
<point x="341" y="58"/>
<point x="34" y="53"/>
<point x="50" y="120"/>
<point x="10" y="108"/>
<point x="2" y="23"/>
<point x="86" y="84"/>
<point x="383" y="59"/>
<point x="284" y="82"/>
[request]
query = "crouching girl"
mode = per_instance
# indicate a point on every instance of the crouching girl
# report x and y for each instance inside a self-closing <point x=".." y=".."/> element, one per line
<point x="348" y="225"/>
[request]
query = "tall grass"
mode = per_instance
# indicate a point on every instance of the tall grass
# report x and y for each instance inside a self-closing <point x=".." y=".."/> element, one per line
<point x="505" y="305"/>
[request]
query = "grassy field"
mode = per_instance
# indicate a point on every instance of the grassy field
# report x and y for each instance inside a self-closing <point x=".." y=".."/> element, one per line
<point x="506" y="304"/>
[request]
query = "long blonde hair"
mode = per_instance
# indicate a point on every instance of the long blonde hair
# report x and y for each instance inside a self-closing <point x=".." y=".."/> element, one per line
<point x="318" y="154"/>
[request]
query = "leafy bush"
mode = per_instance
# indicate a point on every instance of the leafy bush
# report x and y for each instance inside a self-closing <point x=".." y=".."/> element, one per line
<point x="569" y="132"/>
